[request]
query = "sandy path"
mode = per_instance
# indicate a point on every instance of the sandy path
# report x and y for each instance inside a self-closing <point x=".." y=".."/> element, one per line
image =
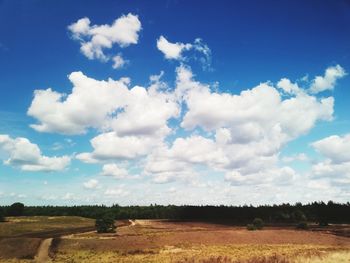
<point x="42" y="255"/>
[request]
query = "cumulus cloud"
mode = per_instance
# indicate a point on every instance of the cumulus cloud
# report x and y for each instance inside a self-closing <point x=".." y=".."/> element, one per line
<point x="91" y="184"/>
<point x="250" y="129"/>
<point x="236" y="135"/>
<point x="20" y="152"/>
<point x="335" y="148"/>
<point x="94" y="39"/>
<point x="114" y="171"/>
<point x="103" y="105"/>
<point x="328" y="81"/>
<point x="336" y="163"/>
<point x="174" y="51"/>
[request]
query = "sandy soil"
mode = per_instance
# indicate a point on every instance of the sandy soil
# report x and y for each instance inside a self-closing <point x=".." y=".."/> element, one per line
<point x="42" y="255"/>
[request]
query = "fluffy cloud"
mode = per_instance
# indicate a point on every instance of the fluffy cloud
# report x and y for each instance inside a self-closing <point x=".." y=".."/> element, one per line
<point x="336" y="165"/>
<point x="95" y="38"/>
<point x="103" y="105"/>
<point x="114" y="171"/>
<point x="109" y="146"/>
<point x="91" y="184"/>
<point x="28" y="157"/>
<point x="328" y="81"/>
<point x="89" y="105"/>
<point x="175" y="50"/>
<point x="249" y="130"/>
<point x="236" y="135"/>
<point x="335" y="148"/>
<point x="172" y="50"/>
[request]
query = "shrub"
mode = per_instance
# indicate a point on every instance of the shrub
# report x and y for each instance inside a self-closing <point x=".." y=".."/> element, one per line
<point x="16" y="209"/>
<point x="323" y="223"/>
<point x="258" y="223"/>
<point x="105" y="224"/>
<point x="302" y="225"/>
<point x="251" y="227"/>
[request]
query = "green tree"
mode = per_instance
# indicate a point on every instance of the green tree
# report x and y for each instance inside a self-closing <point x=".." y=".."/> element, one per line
<point x="2" y="215"/>
<point x="105" y="224"/>
<point x="16" y="209"/>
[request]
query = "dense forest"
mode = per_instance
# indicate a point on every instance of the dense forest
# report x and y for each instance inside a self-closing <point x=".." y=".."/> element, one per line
<point x="318" y="212"/>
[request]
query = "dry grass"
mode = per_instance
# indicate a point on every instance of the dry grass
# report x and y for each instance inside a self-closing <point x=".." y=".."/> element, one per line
<point x="23" y="225"/>
<point x="212" y="254"/>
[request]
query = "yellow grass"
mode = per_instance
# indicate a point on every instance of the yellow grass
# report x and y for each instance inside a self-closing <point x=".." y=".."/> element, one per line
<point x="214" y="254"/>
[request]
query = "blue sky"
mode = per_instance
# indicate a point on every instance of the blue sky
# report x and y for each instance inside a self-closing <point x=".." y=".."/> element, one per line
<point x="232" y="102"/>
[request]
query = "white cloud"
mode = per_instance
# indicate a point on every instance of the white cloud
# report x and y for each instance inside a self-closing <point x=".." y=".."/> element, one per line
<point x="336" y="164"/>
<point x="94" y="39"/>
<point x="104" y="105"/>
<point x="109" y="146"/>
<point x="89" y="105"/>
<point x="275" y="176"/>
<point x="175" y="50"/>
<point x="335" y="148"/>
<point x="114" y="171"/>
<point x="172" y="50"/>
<point x="28" y="157"/>
<point x="328" y="81"/>
<point x="250" y="129"/>
<point x="287" y="86"/>
<point x="91" y="184"/>
<point x="119" y="62"/>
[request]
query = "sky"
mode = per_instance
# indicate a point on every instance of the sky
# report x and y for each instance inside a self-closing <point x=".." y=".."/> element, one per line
<point x="174" y="102"/>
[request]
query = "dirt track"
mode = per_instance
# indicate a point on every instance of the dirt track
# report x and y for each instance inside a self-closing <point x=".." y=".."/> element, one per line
<point x="43" y="251"/>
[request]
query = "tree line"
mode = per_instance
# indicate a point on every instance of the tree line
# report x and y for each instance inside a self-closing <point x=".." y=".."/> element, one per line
<point x="320" y="212"/>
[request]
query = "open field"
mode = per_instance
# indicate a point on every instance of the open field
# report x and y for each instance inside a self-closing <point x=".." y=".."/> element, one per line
<point x="37" y="225"/>
<point x="166" y="241"/>
<point x="21" y="236"/>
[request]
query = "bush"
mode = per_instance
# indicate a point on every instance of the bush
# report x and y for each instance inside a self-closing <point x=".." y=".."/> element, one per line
<point x="323" y="223"/>
<point x="16" y="209"/>
<point x="251" y="227"/>
<point x="302" y="225"/>
<point x="258" y="223"/>
<point x="105" y="224"/>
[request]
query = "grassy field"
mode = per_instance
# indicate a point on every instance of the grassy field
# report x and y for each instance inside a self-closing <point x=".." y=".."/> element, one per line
<point x="20" y="237"/>
<point x="185" y="242"/>
<point x="15" y="226"/>
<point x="214" y="254"/>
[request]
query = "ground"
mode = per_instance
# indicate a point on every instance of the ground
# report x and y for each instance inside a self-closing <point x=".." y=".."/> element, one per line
<point x="166" y="241"/>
